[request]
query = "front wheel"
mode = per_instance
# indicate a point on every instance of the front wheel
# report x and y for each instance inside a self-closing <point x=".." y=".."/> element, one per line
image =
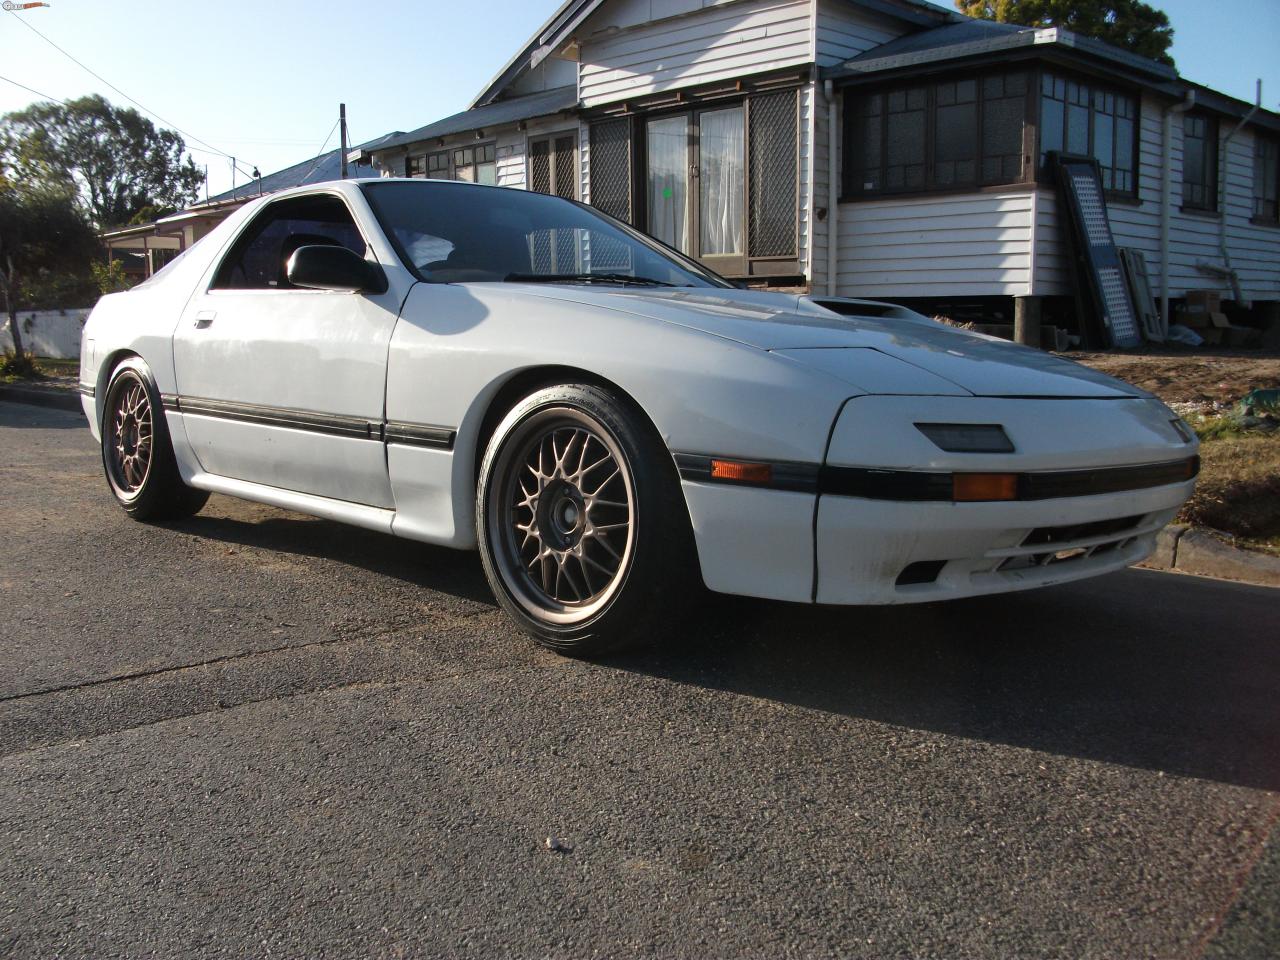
<point x="583" y="531"/>
<point x="136" y="452"/>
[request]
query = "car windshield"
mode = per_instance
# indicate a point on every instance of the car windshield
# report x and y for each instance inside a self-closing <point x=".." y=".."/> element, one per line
<point x="449" y="233"/>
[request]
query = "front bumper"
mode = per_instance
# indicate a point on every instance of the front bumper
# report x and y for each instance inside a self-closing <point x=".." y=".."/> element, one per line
<point x="870" y="551"/>
<point x="855" y="546"/>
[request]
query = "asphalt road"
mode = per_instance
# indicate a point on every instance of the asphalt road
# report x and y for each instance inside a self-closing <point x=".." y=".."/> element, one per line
<point x="255" y="734"/>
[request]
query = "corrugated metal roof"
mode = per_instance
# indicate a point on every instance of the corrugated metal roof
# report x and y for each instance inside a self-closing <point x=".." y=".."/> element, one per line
<point x="976" y="38"/>
<point x="328" y="166"/>
<point x="492" y="115"/>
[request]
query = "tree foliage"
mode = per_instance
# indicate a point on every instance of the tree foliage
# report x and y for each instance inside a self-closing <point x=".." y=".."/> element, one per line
<point x="115" y="159"/>
<point x="44" y="239"/>
<point x="1129" y="24"/>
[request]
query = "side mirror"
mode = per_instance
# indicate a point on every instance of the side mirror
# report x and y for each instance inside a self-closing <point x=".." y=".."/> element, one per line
<point x="334" y="268"/>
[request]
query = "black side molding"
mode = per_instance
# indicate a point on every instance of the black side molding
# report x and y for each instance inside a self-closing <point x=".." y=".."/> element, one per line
<point x="396" y="431"/>
<point x="418" y="434"/>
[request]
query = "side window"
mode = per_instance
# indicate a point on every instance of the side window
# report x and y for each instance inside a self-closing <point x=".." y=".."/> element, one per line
<point x="257" y="260"/>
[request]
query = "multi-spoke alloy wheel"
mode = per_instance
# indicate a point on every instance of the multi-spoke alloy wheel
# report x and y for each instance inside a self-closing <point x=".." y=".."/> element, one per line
<point x="584" y="534"/>
<point x="566" y="509"/>
<point x="131" y="434"/>
<point x="136" y="451"/>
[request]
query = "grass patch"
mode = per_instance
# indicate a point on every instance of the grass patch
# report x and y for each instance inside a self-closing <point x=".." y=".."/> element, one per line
<point x="1238" y="491"/>
<point x="14" y="368"/>
<point x="1219" y="428"/>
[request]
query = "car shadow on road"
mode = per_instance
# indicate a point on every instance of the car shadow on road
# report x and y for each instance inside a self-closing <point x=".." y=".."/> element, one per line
<point x="1150" y="670"/>
<point x="1156" y="671"/>
<point x="455" y="572"/>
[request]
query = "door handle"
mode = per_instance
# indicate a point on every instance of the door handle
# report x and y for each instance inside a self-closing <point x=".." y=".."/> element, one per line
<point x="204" y="318"/>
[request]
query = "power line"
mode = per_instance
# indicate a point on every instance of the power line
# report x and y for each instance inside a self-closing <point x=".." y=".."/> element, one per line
<point x="102" y="79"/>
<point x="319" y="154"/>
<point x="36" y="92"/>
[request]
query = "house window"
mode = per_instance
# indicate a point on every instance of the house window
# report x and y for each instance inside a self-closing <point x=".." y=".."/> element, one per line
<point x="476" y="165"/>
<point x="1199" y="162"/>
<point x="1266" y="179"/>
<point x="718" y="182"/>
<point x="1091" y="120"/>
<point x="551" y="166"/>
<point x="956" y="133"/>
<point x="438" y="165"/>
<point x="433" y="166"/>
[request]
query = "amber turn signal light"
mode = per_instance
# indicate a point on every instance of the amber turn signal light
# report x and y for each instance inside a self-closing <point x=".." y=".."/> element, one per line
<point x="741" y="472"/>
<point x="984" y="486"/>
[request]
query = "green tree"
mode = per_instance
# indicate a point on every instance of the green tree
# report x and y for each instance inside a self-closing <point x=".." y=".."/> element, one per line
<point x="43" y="233"/>
<point x="115" y="159"/>
<point x="1129" y="24"/>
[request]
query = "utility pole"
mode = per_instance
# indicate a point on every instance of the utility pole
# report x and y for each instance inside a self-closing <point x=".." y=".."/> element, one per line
<point x="342" y="123"/>
<point x="233" y="173"/>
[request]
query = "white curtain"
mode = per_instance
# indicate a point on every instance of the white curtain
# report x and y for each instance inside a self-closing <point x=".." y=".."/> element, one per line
<point x="668" y="156"/>
<point x="722" y="172"/>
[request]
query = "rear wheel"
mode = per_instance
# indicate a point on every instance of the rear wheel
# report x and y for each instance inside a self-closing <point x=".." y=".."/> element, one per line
<point x="136" y="452"/>
<point x="583" y="530"/>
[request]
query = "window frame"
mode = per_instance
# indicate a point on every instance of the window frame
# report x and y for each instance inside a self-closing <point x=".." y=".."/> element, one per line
<point x="550" y="140"/>
<point x="1034" y="173"/>
<point x="212" y="277"/>
<point x="1043" y="174"/>
<point x="1213" y="173"/>
<point x="1260" y="219"/>
<point x="852" y="192"/>
<point x="475" y="164"/>
<point x="740" y="266"/>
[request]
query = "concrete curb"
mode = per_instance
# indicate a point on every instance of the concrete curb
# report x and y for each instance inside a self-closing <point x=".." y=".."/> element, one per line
<point x="1188" y="550"/>
<point x="59" y="399"/>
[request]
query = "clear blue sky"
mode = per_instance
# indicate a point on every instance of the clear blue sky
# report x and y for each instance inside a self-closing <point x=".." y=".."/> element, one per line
<point x="262" y="79"/>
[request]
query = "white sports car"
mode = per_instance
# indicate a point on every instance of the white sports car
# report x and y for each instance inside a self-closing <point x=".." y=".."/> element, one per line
<point x="606" y="420"/>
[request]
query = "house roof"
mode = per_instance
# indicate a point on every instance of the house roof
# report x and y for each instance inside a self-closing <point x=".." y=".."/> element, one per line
<point x="327" y="166"/>
<point x="975" y="38"/>
<point x="572" y="13"/>
<point x="490" y="115"/>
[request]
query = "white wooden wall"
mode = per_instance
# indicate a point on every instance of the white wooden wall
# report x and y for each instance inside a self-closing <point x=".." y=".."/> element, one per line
<point x="624" y="55"/>
<point x="1255" y="250"/>
<point x="980" y="244"/>
<point x="843" y="31"/>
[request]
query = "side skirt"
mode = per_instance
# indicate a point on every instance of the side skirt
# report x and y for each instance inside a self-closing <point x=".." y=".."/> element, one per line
<point x="356" y="514"/>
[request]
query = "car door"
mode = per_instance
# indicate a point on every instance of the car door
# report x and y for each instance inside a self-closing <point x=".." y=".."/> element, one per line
<point x="286" y="386"/>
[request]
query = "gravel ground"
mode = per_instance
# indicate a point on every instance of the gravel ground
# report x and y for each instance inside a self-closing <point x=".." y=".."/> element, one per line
<point x="255" y="734"/>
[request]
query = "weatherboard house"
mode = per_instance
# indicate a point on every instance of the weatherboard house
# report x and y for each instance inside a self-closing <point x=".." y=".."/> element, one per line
<point x="888" y="149"/>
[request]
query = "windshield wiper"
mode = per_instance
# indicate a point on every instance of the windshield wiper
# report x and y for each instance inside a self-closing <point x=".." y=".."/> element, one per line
<point x="620" y="278"/>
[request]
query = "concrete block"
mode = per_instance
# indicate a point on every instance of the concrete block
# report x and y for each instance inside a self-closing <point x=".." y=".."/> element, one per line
<point x="1204" y="554"/>
<point x="1166" y="551"/>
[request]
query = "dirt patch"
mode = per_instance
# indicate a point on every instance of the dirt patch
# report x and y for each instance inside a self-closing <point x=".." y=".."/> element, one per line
<point x="1238" y="491"/>
<point x="1214" y="379"/>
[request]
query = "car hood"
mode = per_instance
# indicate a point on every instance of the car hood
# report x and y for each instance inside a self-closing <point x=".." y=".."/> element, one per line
<point x="803" y="330"/>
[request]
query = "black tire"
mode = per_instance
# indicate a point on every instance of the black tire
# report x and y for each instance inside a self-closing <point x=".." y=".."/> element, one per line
<point x="137" y="454"/>
<point x="573" y="565"/>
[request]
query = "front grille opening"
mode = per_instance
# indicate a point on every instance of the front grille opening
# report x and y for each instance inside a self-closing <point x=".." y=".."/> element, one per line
<point x="1069" y="555"/>
<point x="1047" y="536"/>
<point x="922" y="571"/>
